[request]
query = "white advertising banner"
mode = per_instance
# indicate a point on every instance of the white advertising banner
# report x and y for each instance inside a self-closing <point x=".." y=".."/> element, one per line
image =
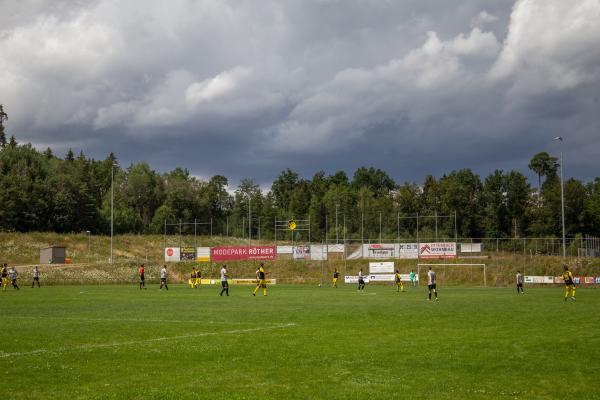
<point x="285" y="250"/>
<point x="382" y="278"/>
<point x="172" y="254"/>
<point x="538" y="279"/>
<point x="438" y="250"/>
<point x="354" y="279"/>
<point x="384" y="250"/>
<point x="470" y="247"/>
<point x="408" y="251"/>
<point x="318" y="252"/>
<point x="385" y="267"/>
<point x="335" y="248"/>
<point x="203" y="254"/>
<point x="301" y="252"/>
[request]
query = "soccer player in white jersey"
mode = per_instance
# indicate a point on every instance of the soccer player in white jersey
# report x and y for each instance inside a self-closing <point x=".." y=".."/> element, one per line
<point x="224" y="283"/>
<point x="163" y="277"/>
<point x="519" y="282"/>
<point x="432" y="283"/>
<point x="36" y="277"/>
<point x="13" y="274"/>
<point x="361" y="281"/>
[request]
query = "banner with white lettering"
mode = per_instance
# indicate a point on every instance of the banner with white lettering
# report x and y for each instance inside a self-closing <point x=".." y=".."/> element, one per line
<point x="227" y="253"/>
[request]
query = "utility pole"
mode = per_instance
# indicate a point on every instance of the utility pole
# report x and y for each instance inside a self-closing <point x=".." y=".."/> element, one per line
<point x="562" y="199"/>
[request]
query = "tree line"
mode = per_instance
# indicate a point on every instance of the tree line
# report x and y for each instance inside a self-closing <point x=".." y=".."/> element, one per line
<point x="40" y="191"/>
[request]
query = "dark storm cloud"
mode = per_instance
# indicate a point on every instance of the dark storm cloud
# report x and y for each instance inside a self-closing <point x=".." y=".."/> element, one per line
<point x="247" y="89"/>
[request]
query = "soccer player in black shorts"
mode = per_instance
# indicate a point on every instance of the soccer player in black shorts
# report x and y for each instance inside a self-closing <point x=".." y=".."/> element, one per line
<point x="36" y="277"/>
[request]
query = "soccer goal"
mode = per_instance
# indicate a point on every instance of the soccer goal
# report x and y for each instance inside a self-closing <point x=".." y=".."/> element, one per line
<point x="455" y="274"/>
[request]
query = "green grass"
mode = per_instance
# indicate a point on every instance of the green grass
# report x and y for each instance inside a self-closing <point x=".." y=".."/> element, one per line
<point x="300" y="342"/>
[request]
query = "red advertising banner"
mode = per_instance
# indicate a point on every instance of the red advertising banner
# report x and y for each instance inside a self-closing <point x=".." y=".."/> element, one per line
<point x="228" y="253"/>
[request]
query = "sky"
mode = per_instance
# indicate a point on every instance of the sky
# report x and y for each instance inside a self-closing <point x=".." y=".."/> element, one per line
<point x="247" y="89"/>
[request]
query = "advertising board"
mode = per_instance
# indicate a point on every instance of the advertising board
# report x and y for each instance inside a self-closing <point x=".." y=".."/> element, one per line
<point x="172" y="254"/>
<point x="438" y="250"/>
<point x="229" y="253"/>
<point x="385" y="267"/>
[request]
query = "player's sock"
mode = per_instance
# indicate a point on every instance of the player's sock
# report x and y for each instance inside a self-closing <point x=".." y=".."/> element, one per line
<point x="435" y="294"/>
<point x="429" y="295"/>
<point x="264" y="292"/>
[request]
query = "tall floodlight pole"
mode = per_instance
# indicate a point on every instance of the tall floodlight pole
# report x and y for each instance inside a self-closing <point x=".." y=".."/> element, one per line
<point x="112" y="207"/>
<point x="249" y="220"/>
<point x="562" y="199"/>
<point x="336" y="223"/>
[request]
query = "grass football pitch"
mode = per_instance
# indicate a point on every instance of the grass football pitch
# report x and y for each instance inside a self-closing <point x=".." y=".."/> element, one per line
<point x="300" y="342"/>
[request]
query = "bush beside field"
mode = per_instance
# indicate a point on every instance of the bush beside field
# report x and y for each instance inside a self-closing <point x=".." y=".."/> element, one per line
<point x="90" y="262"/>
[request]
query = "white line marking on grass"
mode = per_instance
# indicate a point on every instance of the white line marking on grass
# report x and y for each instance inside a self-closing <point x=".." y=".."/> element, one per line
<point x="181" y="321"/>
<point x="134" y="342"/>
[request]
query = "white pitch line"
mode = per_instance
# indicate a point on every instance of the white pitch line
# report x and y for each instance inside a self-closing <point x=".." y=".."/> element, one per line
<point x="181" y="321"/>
<point x="133" y="342"/>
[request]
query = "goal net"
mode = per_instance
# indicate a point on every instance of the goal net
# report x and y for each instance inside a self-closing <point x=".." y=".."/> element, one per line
<point x="454" y="274"/>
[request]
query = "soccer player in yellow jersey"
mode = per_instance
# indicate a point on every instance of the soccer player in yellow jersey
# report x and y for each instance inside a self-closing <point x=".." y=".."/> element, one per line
<point x="399" y="283"/>
<point x="567" y="277"/>
<point x="193" y="278"/>
<point x="260" y="280"/>
<point x="4" y="278"/>
<point x="336" y="274"/>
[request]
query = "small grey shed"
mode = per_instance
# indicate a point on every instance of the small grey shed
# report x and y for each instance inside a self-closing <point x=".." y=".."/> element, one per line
<point x="53" y="255"/>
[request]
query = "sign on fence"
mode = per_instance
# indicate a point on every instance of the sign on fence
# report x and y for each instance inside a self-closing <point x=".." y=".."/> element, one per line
<point x="408" y="251"/>
<point x="382" y="278"/>
<point x="318" y="252"/>
<point x="335" y="248"/>
<point x="203" y="254"/>
<point x="229" y="253"/>
<point x="172" y="254"/>
<point x="378" y="250"/>
<point x="285" y="250"/>
<point x="354" y="279"/>
<point x="301" y="252"/>
<point x="539" y="279"/>
<point x="470" y="247"/>
<point x="438" y="250"/>
<point x="188" y="253"/>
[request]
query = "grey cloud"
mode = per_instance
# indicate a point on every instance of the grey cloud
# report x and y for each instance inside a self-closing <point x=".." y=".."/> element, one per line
<point x="248" y="89"/>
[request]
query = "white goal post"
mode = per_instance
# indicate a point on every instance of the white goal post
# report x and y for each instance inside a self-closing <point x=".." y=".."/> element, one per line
<point x="419" y="265"/>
